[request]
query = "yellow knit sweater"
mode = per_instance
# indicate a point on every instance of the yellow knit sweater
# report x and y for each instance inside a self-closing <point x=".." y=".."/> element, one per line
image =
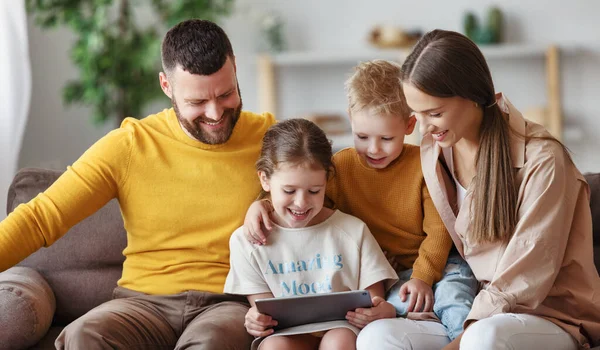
<point x="395" y="204"/>
<point x="180" y="199"/>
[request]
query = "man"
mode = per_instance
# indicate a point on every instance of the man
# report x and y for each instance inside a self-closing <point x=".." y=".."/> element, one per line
<point x="184" y="179"/>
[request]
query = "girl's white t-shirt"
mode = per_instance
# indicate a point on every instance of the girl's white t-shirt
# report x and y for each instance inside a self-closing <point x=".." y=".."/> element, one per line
<point x="337" y="255"/>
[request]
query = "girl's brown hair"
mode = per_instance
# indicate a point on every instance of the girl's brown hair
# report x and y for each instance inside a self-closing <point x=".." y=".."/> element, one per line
<point x="447" y="64"/>
<point x="295" y="142"/>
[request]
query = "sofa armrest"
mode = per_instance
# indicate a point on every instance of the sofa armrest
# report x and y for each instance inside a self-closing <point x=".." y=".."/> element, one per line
<point x="27" y="305"/>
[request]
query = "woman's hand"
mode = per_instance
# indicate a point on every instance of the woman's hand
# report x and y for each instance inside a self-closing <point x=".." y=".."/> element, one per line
<point x="363" y="316"/>
<point x="257" y="222"/>
<point x="257" y="324"/>
<point x="421" y="295"/>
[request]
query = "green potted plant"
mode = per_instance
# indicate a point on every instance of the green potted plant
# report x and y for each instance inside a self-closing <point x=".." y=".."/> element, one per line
<point x="117" y="58"/>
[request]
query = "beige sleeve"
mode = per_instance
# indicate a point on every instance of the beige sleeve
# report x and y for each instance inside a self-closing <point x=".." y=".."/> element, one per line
<point x="374" y="267"/>
<point x="245" y="277"/>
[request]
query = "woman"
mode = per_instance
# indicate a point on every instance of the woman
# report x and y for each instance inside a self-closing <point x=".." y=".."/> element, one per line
<point x="514" y="203"/>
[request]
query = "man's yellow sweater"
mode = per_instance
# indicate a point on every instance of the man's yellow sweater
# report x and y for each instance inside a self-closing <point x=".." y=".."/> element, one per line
<point x="395" y="204"/>
<point x="180" y="198"/>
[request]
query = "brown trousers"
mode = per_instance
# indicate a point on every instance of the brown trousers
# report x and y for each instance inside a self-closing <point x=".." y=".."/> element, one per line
<point x="133" y="320"/>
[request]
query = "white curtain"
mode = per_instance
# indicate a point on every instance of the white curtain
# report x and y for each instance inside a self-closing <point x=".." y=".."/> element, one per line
<point x="15" y="90"/>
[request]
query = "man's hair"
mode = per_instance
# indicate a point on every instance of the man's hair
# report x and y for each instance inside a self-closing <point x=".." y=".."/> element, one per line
<point x="198" y="46"/>
<point x="376" y="84"/>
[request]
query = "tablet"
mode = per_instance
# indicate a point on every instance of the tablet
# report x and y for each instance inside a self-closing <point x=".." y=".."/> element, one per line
<point x="299" y="310"/>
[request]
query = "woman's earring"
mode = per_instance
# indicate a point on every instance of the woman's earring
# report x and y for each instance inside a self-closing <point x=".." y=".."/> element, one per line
<point x="476" y="105"/>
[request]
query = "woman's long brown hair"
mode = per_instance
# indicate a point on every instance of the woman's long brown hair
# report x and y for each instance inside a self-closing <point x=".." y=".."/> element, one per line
<point x="448" y="64"/>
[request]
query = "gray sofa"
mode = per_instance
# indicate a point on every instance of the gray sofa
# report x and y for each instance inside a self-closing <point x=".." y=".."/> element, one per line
<point x="56" y="285"/>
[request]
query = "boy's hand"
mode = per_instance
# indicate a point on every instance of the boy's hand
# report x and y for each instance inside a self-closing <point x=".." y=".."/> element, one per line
<point x="257" y="218"/>
<point x="362" y="317"/>
<point x="421" y="295"/>
<point x="257" y="324"/>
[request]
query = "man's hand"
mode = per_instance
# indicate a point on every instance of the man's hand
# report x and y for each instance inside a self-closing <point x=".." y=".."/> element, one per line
<point x="257" y="218"/>
<point x="257" y="324"/>
<point x="421" y="295"/>
<point x="362" y="316"/>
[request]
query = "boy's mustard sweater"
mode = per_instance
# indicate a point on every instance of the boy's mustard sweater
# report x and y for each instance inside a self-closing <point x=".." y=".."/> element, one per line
<point x="395" y="204"/>
<point x="180" y="199"/>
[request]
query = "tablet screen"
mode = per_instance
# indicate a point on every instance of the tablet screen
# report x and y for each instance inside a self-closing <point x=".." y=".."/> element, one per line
<point x="299" y="310"/>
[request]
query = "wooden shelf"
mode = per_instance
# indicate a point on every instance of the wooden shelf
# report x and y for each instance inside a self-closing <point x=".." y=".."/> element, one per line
<point x="307" y="58"/>
<point x="268" y="64"/>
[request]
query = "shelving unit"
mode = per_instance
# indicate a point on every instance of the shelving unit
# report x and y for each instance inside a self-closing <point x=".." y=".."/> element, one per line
<point x="268" y="65"/>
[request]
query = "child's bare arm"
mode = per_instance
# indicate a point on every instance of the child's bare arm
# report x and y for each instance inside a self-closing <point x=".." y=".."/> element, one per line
<point x="257" y="218"/>
<point x="257" y="324"/>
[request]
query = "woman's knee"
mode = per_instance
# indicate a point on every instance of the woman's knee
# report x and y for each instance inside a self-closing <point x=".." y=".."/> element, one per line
<point x="490" y="333"/>
<point x="516" y="331"/>
<point x="479" y="336"/>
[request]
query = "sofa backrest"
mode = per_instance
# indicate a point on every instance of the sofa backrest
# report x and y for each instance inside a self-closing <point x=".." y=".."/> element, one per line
<point x="593" y="180"/>
<point x="84" y="265"/>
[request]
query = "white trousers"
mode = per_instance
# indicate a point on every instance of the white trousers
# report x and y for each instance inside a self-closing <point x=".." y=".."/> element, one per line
<point x="499" y="332"/>
<point x="516" y="332"/>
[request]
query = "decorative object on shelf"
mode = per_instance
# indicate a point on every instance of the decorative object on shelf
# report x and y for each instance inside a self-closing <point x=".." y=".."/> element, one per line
<point x="118" y="60"/>
<point x="271" y="27"/>
<point x="386" y="37"/>
<point x="488" y="33"/>
<point x="332" y="124"/>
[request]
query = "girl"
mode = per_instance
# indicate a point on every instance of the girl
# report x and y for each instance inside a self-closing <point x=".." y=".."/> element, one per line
<point x="293" y="168"/>
<point x="515" y="205"/>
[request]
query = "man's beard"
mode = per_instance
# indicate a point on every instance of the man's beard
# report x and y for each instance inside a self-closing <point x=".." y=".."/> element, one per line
<point x="194" y="128"/>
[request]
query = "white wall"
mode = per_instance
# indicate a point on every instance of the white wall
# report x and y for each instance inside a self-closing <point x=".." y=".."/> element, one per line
<point x="56" y="136"/>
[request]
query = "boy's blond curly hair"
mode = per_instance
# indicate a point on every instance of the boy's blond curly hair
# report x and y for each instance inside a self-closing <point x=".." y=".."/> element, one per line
<point x="376" y="84"/>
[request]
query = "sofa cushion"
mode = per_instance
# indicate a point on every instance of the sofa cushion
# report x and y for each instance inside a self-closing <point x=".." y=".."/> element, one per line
<point x="83" y="266"/>
<point x="593" y="180"/>
<point x="26" y="308"/>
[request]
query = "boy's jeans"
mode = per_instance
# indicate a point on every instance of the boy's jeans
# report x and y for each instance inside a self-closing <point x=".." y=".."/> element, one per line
<point x="453" y="294"/>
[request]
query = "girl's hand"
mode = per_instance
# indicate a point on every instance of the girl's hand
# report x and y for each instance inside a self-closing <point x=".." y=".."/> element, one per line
<point x="257" y="216"/>
<point x="362" y="317"/>
<point x="421" y="295"/>
<point x="257" y="324"/>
